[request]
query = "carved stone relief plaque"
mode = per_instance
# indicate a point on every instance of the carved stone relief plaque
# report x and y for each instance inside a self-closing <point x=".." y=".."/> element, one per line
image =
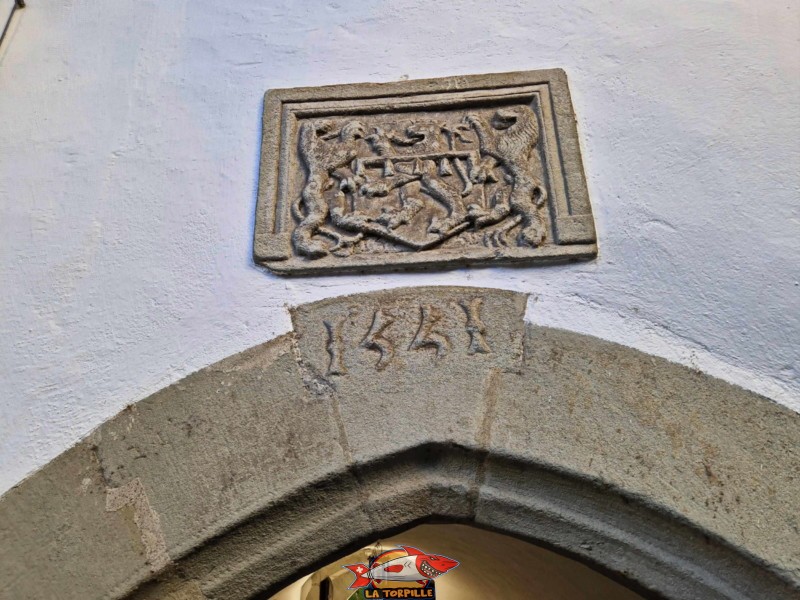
<point x="462" y="170"/>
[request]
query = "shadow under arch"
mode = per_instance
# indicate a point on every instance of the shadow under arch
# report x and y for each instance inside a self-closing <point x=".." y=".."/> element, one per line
<point x="654" y="552"/>
<point x="384" y="410"/>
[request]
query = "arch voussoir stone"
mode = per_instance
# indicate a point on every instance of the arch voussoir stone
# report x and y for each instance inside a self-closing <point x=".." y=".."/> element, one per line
<point x="412" y="366"/>
<point x="383" y="410"/>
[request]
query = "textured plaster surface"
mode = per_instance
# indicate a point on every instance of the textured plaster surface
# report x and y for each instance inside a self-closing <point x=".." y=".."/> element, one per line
<point x="129" y="160"/>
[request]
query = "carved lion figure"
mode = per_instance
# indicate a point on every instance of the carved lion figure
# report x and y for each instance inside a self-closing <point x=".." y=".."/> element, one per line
<point x="509" y="138"/>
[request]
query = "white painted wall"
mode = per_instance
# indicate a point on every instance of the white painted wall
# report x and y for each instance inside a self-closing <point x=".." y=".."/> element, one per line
<point x="129" y="142"/>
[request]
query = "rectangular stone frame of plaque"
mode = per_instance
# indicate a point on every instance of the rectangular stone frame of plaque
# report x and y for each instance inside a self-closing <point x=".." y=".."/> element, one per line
<point x="573" y="232"/>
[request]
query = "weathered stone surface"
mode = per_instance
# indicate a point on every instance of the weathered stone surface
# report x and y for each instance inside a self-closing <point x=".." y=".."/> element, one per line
<point x="724" y="458"/>
<point x="57" y="540"/>
<point x="395" y="361"/>
<point x="237" y="435"/>
<point x="188" y="591"/>
<point x="387" y="409"/>
<point x="479" y="169"/>
<point x="255" y="558"/>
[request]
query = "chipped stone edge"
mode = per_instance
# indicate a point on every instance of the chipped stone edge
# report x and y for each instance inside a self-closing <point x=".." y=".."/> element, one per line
<point x="133" y="495"/>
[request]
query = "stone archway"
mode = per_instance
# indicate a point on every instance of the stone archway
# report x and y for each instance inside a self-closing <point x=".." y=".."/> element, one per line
<point x="388" y="409"/>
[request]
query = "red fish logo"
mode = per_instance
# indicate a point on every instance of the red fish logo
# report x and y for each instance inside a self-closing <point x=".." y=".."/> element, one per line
<point x="412" y="565"/>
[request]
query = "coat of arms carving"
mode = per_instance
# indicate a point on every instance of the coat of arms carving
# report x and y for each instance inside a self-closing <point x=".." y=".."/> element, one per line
<point x="468" y="170"/>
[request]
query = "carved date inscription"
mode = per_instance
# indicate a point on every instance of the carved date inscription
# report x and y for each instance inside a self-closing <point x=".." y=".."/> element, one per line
<point x="375" y="340"/>
<point x="385" y="334"/>
<point x="418" y="173"/>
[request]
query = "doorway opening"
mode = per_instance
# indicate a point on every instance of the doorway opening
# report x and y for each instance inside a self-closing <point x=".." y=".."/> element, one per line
<point x="489" y="565"/>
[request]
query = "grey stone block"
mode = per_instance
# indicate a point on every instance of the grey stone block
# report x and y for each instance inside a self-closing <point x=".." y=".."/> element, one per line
<point x="57" y="540"/>
<point x="235" y="435"/>
<point x="410" y="366"/>
<point x="696" y="445"/>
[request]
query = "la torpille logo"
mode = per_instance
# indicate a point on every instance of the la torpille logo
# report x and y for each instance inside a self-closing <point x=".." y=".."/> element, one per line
<point x="403" y="572"/>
